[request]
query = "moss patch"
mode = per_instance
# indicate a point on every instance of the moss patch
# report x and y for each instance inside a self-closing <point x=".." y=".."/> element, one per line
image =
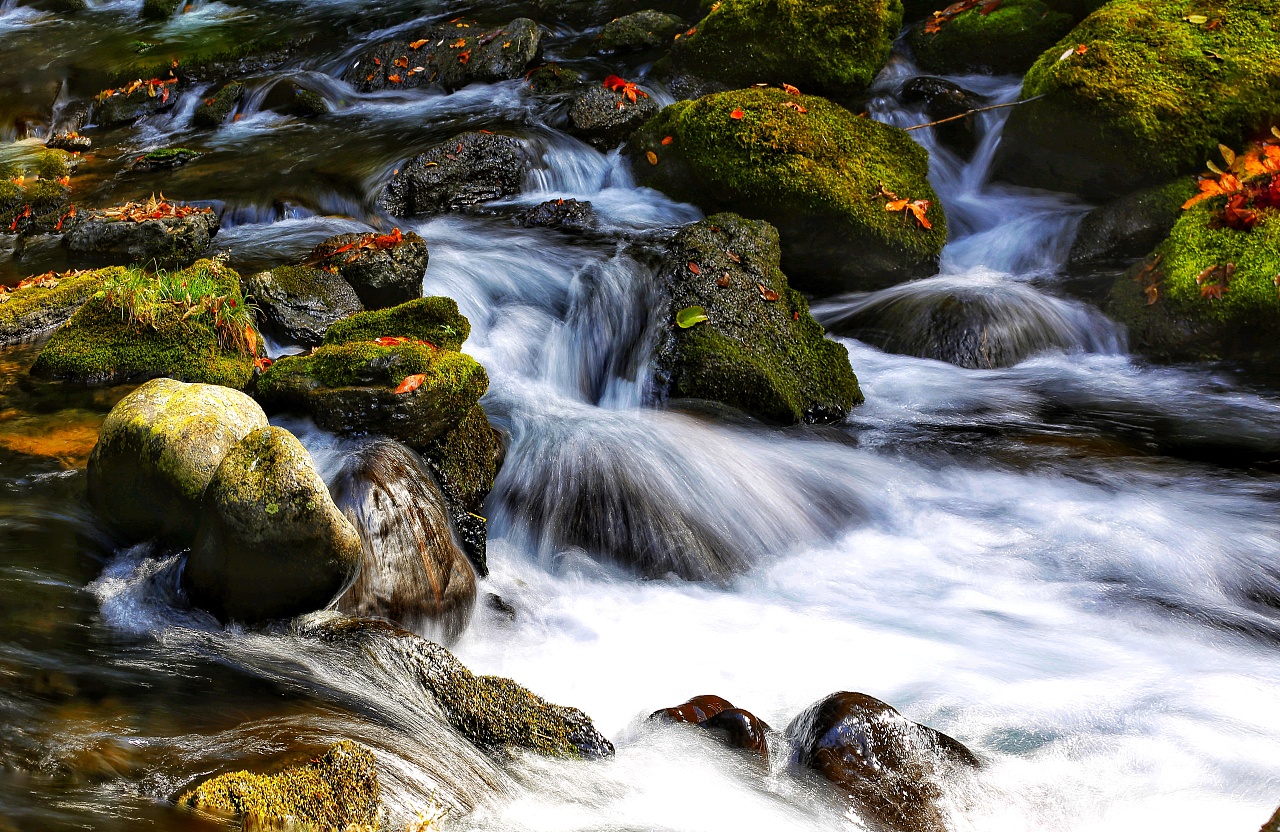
<point x="159" y="9"/>
<point x="365" y="364"/>
<point x="466" y="460"/>
<point x="41" y="192"/>
<point x="552" y="78"/>
<point x="215" y="110"/>
<point x="1006" y="41"/>
<point x="36" y="309"/>
<point x="435" y="320"/>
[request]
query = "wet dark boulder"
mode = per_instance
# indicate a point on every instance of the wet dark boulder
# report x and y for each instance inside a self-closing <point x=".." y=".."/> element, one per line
<point x="1006" y="40"/>
<point x="1130" y="227"/>
<point x="385" y="270"/>
<point x="125" y="105"/>
<point x="696" y="710"/>
<point x="271" y="543"/>
<point x="734" y="727"/>
<point x="569" y="215"/>
<point x="893" y="770"/>
<point x="414" y="572"/>
<point x="944" y="99"/>
<point x="115" y="235"/>
<point x="217" y="108"/>
<point x="640" y="31"/>
<point x="604" y="118"/>
<point x="70" y="142"/>
<point x="1272" y="825"/>
<point x="452" y="55"/>
<point x="159" y="9"/>
<point x="299" y="303"/>
<point x="553" y="79"/>
<point x="456" y="174"/>
<point x="290" y="98"/>
<point x="45" y="303"/>
<point x="738" y="334"/>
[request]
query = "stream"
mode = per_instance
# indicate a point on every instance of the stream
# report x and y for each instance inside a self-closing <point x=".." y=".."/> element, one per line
<point x="1072" y="565"/>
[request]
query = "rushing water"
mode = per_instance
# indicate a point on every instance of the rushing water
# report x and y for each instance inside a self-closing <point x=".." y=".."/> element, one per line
<point x="1069" y="564"/>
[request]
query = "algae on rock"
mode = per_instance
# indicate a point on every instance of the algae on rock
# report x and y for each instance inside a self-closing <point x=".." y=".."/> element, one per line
<point x="1007" y="40"/>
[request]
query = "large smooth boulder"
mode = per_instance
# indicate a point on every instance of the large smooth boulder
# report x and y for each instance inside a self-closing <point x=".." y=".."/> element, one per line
<point x="157" y="452"/>
<point x="383" y="269"/>
<point x="299" y="303"/>
<point x="413" y="572"/>
<point x="732" y="726"/>
<point x="893" y="770"/>
<point x="451" y="55"/>
<point x="809" y="167"/>
<point x="46" y="302"/>
<point x="1130" y="227"/>
<point x="130" y="235"/>
<point x="1150" y="97"/>
<point x="758" y="349"/>
<point x="455" y="174"/>
<point x="1007" y="40"/>
<point x="271" y="543"/>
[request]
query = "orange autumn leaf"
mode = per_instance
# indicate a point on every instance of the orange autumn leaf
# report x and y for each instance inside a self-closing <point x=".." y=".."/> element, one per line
<point x="458" y="44"/>
<point x="1081" y="49"/>
<point x="693" y="267"/>
<point x="463" y="57"/>
<point x="737" y="114"/>
<point x="790" y="90"/>
<point x="390" y="340"/>
<point x="418" y="44"/>
<point x="395" y="79"/>
<point x="667" y="140"/>
<point x="652" y="157"/>
<point x="401" y="62"/>
<point x="766" y="293"/>
<point x="261" y="364"/>
<point x="918" y="208"/>
<point x="251" y="339"/>
<point x="410" y="383"/>
<point x="795" y="106"/>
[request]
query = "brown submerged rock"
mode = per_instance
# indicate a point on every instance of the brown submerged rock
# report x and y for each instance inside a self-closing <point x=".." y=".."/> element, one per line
<point x="734" y="727"/>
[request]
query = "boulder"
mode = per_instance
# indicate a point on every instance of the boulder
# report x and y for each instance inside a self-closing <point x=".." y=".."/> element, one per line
<point x="639" y="31"/>
<point x="292" y="99"/>
<point x="271" y="543"/>
<point x="298" y="303"/>
<point x="569" y="215"/>
<point x="466" y="461"/>
<point x="1129" y="228"/>
<point x="696" y="710"/>
<point x="734" y="727"/>
<point x="1150" y="98"/>
<point x="384" y="270"/>
<point x="158" y="450"/>
<point x="1005" y="41"/>
<point x="1272" y="825"/>
<point x="166" y="158"/>
<point x="216" y="109"/>
<point x="944" y="99"/>
<point x="123" y="235"/>
<point x="434" y="320"/>
<point x="339" y="790"/>
<point x="46" y="302"/>
<point x="604" y="118"/>
<point x="466" y="170"/>
<point x="159" y="9"/>
<point x="35" y="197"/>
<point x="452" y="55"/>
<point x="125" y="105"/>
<point x="818" y="173"/>
<point x="829" y="47"/>
<point x="413" y="572"/>
<point x="758" y="349"/>
<point x="552" y="79"/>
<point x="892" y="769"/>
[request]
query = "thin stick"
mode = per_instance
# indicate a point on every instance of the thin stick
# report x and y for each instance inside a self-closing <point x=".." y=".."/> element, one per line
<point x="978" y="110"/>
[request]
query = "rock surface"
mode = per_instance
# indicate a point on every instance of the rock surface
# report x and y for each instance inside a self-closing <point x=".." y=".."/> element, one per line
<point x="434" y="320"/>
<point x="30" y="312"/>
<point x="169" y="242"/>
<point x="568" y="215"/>
<point x="1005" y="41"/>
<point x="638" y="31"/>
<point x="464" y="171"/>
<point x="944" y="99"/>
<point x="218" y="108"/>
<point x="452" y="55"/>
<point x="382" y="275"/>
<point x="1130" y="227"/>
<point x="299" y="303"/>
<point x="603" y="117"/>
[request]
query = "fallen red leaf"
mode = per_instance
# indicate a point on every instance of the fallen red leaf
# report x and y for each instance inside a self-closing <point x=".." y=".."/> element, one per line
<point x="693" y="267"/>
<point x="790" y="90"/>
<point x="463" y="57"/>
<point x="418" y="44"/>
<point x="410" y="383"/>
<point x="737" y="114"/>
<point x="667" y="140"/>
<point x="767" y="293"/>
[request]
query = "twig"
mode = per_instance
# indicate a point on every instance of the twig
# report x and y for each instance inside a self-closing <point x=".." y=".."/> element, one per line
<point x="978" y="110"/>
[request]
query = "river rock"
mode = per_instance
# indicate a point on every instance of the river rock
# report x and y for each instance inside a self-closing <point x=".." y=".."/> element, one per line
<point x="159" y="9"/>
<point x="944" y="99"/>
<point x="1272" y="825"/>
<point x="639" y="31"/>
<point x="569" y="215"/>
<point x="413" y="572"/>
<point x="695" y="711"/>
<point x="121" y="107"/>
<point x="166" y="158"/>
<point x="553" y="79"/>
<point x="893" y="770"/>
<point x="452" y="55"/>
<point x="292" y="99"/>
<point x="818" y="176"/>
<point x="1130" y="227"/>
<point x="340" y="790"/>
<point x="433" y="320"/>
<point x="271" y="543"/>
<point x="1004" y="41"/>
<point x="382" y="275"/>
<point x="604" y="117"/>
<point x="299" y="303"/>
<point x="41" y="202"/>
<point x="464" y="171"/>
<point x="734" y="727"/>
<point x="157" y="452"/>
<point x="46" y="303"/>
<point x="168" y="241"/>
<point x="1150" y="98"/>
<point x="216" y="109"/>
<point x="758" y="349"/>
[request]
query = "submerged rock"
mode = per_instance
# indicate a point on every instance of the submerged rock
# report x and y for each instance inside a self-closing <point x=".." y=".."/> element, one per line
<point x="757" y="349"/>
<point x="298" y="303"/>
<point x="604" y="117"/>
<point x="271" y="543"/>
<point x="569" y="215"/>
<point x="117" y="107"/>
<point x="892" y="769"/>
<point x="944" y="99"/>
<point x="291" y="98"/>
<point x="464" y="171"/>
<point x="734" y="727"/>
<point x="384" y="270"/>
<point x="217" y="108"/>
<point x="638" y="31"/>
<point x="413" y="572"/>
<point x="125" y="236"/>
<point x="452" y="55"/>
<point x="46" y="303"/>
<point x="815" y="171"/>
<point x="1004" y="41"/>
<point x="157" y="452"/>
<point x="696" y="710"/>
<point x="1130" y="227"/>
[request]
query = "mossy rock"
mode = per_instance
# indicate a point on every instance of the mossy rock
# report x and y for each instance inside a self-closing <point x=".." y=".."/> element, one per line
<point x="1151" y="98"/>
<point x="336" y="791"/>
<point x="465" y="460"/>
<point x="766" y="357"/>
<point x="382" y="277"/>
<point x="164" y="158"/>
<point x="816" y="176"/>
<point x="551" y="78"/>
<point x="216" y="109"/>
<point x="122" y="108"/>
<point x="832" y="47"/>
<point x="639" y="31"/>
<point x="299" y="303"/>
<point x="1128" y="228"/>
<point x="435" y="320"/>
<point x="100" y="345"/>
<point x="1184" y="323"/>
<point x="1008" y="40"/>
<point x="159" y="9"/>
<point x="40" y="203"/>
<point x="33" y="311"/>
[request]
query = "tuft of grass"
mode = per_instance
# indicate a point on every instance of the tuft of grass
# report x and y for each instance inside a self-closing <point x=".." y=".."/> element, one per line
<point x="198" y="293"/>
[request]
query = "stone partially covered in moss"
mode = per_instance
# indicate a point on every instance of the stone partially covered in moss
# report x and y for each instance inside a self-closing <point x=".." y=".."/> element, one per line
<point x="1007" y="40"/>
<point x="168" y="241"/>
<point x="758" y="350"/>
<point x="336" y="791"/>
<point x="831" y="47"/>
<point x="1150" y="98"/>
<point x="1128" y="228"/>
<point x="298" y="303"/>
<point x="39" y="203"/>
<point x="435" y="320"/>
<point x="551" y="78"/>
<point x="216" y="109"/>
<point x="819" y="176"/>
<point x="604" y="118"/>
<point x="1188" y="320"/>
<point x="116" y="107"/>
<point x="46" y="304"/>
<point x="466" y="460"/>
<point x="639" y="31"/>
<point x="165" y="158"/>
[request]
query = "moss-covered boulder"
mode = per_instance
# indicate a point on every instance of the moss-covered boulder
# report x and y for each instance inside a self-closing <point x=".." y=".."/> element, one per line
<point x="384" y="269"/>
<point x="45" y="302"/>
<point x="451" y="55"/>
<point x="159" y="9"/>
<point x="831" y="47"/>
<point x="465" y="461"/>
<point x="140" y="326"/>
<point x="1128" y="228"/>
<point x="1154" y="91"/>
<point x="818" y="173"/>
<point x="340" y="790"/>
<point x="298" y="303"/>
<point x="165" y="158"/>
<point x="435" y="320"/>
<point x="291" y="98"/>
<point x="638" y="31"/>
<point x="157" y="452"/>
<point x="552" y="79"/>
<point x="757" y="349"/>
<point x="35" y="196"/>
<point x="215" y="109"/>
<point x="464" y="171"/>
<point x="1007" y="40"/>
<point x="132" y="234"/>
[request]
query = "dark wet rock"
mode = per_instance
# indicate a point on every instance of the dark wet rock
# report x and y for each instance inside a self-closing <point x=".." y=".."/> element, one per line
<point x="696" y="710"/>
<point x="737" y="728"/>
<point x="818" y="176"/>
<point x="44" y="305"/>
<point x="299" y="303"/>
<point x="452" y="55"/>
<point x="604" y="118"/>
<point x="414" y="573"/>
<point x="944" y="99"/>
<point x="164" y="159"/>
<point x="216" y="109"/>
<point x="157" y="452"/>
<point x="1130" y="227"/>
<point x="98" y="236"/>
<point x="1272" y="825"/>
<point x="466" y="460"/>
<point x="551" y="78"/>
<point x="458" y="173"/>
<point x="159" y="9"/>
<point x="292" y="99"/>
<point x="1004" y="41"/>
<point x="492" y="712"/>
<point x="271" y="543"/>
<point x="893" y="770"/>
<point x="340" y="790"/>
<point x="569" y="215"/>
<point x="638" y="31"/>
<point x="121" y="107"/>
<point x="759" y="350"/>
<point x="382" y="275"/>
<point x="72" y="142"/>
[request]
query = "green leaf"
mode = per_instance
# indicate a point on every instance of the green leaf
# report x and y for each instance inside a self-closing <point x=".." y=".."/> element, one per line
<point x="690" y="316"/>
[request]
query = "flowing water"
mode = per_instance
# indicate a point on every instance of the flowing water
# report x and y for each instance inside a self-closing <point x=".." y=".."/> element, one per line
<point x="1070" y="564"/>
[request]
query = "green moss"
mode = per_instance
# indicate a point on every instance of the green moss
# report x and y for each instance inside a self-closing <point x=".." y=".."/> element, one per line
<point x="434" y="319"/>
<point x="825" y="46"/>
<point x="35" y="308"/>
<point x="553" y="78"/>
<point x="640" y="30"/>
<point x="1006" y="41"/>
<point x="215" y="110"/>
<point x="169" y="154"/>
<point x="466" y="460"/>
<point x="52" y="165"/>
<point x="159" y="9"/>
<point x="10" y="196"/>
<point x="336" y="791"/>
